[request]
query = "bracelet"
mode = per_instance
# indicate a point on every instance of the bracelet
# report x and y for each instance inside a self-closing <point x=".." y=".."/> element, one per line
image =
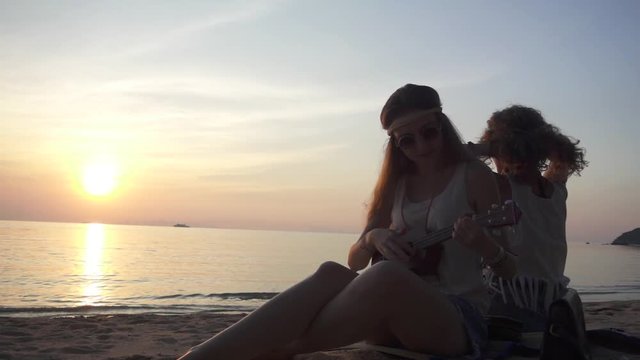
<point x="498" y="258"/>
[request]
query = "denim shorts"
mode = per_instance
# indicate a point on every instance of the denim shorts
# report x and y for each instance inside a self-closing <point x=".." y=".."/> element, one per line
<point x="475" y="326"/>
<point x="532" y="321"/>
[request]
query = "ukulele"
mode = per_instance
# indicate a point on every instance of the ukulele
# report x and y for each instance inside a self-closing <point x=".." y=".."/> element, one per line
<point x="506" y="214"/>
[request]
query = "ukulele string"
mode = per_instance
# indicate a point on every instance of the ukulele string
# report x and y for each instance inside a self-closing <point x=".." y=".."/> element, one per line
<point x="442" y="234"/>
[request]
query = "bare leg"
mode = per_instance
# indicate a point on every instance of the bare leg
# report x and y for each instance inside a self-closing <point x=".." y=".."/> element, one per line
<point x="278" y="322"/>
<point x="388" y="299"/>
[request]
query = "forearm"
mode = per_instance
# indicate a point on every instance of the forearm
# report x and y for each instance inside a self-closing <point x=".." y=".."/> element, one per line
<point x="360" y="253"/>
<point x="507" y="268"/>
<point x="496" y="255"/>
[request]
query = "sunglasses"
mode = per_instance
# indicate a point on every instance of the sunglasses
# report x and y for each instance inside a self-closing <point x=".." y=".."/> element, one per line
<point x="428" y="133"/>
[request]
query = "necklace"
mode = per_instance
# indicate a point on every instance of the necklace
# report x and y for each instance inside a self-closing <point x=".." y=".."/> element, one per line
<point x="429" y="261"/>
<point x="426" y="219"/>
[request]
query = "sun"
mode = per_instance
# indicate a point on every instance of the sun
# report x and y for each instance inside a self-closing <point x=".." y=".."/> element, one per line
<point x="100" y="179"/>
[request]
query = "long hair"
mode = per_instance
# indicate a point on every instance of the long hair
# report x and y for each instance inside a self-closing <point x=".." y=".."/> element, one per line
<point x="409" y="98"/>
<point x="521" y="134"/>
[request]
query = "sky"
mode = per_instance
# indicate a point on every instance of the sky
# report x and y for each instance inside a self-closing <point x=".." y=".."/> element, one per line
<point x="265" y="114"/>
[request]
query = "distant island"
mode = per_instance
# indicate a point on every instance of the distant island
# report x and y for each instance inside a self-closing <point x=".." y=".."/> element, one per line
<point x="180" y="225"/>
<point x="629" y="238"/>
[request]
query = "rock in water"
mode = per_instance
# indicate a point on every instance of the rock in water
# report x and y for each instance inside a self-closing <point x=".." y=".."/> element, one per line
<point x="629" y="238"/>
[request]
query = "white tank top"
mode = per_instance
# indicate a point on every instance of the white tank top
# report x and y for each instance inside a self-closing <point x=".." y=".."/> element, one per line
<point x="460" y="268"/>
<point x="539" y="240"/>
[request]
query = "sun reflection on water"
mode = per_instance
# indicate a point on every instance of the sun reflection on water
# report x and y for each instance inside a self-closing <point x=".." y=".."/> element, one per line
<point x="94" y="245"/>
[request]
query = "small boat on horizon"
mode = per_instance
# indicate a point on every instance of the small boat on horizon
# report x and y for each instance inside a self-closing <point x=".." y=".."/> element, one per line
<point x="181" y="225"/>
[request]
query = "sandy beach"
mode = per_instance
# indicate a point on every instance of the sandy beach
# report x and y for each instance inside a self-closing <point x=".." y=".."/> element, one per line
<point x="146" y="336"/>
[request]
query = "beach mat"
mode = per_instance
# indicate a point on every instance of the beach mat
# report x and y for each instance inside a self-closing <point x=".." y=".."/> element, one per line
<point x="495" y="350"/>
<point x="604" y="344"/>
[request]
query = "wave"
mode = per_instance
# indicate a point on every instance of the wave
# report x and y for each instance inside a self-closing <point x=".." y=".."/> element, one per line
<point x="608" y="292"/>
<point x="119" y="309"/>
<point x="225" y="296"/>
<point x="605" y="290"/>
<point x="227" y="302"/>
<point x="160" y="304"/>
<point x="71" y="309"/>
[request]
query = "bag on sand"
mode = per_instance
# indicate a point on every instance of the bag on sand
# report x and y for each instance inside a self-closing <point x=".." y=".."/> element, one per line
<point x="565" y="335"/>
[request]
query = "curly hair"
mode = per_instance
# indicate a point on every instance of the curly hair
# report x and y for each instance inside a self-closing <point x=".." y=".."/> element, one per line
<point x="520" y="134"/>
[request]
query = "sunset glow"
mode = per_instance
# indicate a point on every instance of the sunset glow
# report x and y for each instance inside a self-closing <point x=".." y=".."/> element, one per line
<point x="100" y="179"/>
<point x="241" y="114"/>
<point x="94" y="244"/>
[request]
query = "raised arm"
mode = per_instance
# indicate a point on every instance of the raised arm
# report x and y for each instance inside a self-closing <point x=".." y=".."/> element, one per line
<point x="558" y="171"/>
<point x="565" y="159"/>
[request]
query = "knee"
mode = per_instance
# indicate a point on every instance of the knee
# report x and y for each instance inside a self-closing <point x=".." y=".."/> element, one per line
<point x="331" y="269"/>
<point x="387" y="277"/>
<point x="389" y="272"/>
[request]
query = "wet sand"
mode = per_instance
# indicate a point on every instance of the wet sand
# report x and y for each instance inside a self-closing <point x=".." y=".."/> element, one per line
<point x="147" y="336"/>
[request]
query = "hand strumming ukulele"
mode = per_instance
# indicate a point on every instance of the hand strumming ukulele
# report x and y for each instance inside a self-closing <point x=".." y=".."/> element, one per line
<point x="430" y="245"/>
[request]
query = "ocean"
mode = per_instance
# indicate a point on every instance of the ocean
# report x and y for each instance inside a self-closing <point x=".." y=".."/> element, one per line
<point x="67" y="269"/>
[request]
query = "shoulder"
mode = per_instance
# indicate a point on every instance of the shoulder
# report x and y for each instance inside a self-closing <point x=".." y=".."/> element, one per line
<point x="482" y="186"/>
<point x="479" y="171"/>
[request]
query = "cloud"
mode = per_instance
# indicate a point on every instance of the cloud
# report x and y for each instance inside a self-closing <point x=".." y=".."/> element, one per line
<point x="220" y="87"/>
<point x="243" y="12"/>
<point x="223" y="103"/>
<point x="234" y="165"/>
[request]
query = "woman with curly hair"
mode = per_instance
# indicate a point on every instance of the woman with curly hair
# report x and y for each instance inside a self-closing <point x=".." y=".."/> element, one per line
<point x="533" y="160"/>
